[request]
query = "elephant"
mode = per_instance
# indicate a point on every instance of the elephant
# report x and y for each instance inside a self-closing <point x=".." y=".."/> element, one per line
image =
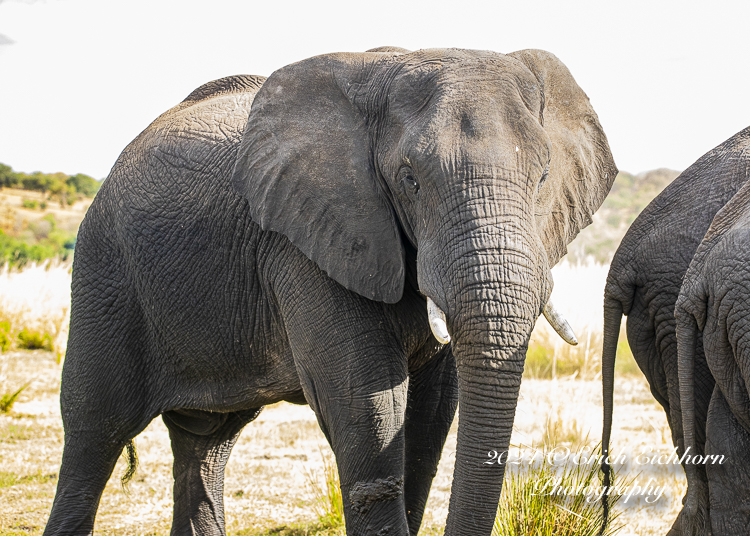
<point x="284" y="238"/>
<point x="644" y="282"/>
<point x="713" y="300"/>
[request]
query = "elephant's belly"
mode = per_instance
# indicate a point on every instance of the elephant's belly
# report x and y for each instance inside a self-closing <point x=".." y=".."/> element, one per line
<point x="233" y="383"/>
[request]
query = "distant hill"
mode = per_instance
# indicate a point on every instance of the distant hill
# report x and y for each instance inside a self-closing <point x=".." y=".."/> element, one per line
<point x="629" y="196"/>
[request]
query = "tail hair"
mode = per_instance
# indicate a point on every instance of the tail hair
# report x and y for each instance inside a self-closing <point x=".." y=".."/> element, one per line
<point x="132" y="457"/>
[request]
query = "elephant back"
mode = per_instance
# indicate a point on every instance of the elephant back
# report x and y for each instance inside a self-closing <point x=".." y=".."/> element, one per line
<point x="229" y="84"/>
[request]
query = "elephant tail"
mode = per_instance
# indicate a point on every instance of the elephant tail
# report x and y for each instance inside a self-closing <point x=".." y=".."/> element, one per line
<point x="695" y="519"/>
<point x="612" y="320"/>
<point x="132" y="457"/>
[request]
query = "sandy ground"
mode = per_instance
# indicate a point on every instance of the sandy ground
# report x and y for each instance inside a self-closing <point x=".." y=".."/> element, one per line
<point x="268" y="476"/>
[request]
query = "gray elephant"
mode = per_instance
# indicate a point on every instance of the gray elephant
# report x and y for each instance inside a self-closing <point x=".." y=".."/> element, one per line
<point x="714" y="300"/>
<point x="241" y="255"/>
<point x="644" y="282"/>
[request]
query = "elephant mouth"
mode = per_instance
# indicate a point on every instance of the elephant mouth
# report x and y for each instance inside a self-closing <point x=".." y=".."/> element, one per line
<point x="439" y="326"/>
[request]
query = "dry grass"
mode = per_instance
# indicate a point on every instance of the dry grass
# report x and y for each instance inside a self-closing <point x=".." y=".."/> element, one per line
<point x="266" y="483"/>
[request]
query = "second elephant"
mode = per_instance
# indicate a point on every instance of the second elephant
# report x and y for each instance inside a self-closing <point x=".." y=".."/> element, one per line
<point x="645" y="277"/>
<point x="715" y="302"/>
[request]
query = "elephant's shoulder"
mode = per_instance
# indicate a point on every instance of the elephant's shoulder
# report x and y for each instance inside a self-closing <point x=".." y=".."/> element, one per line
<point x="229" y="84"/>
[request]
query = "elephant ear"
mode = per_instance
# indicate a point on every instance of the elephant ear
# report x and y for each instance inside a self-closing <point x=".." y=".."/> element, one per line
<point x="305" y="167"/>
<point x="581" y="169"/>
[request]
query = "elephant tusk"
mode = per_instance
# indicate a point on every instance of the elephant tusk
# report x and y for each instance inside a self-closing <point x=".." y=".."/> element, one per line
<point x="437" y="322"/>
<point x="557" y="321"/>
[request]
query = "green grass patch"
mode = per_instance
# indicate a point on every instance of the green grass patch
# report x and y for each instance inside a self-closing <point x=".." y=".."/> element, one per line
<point x="15" y="432"/>
<point x="6" y="337"/>
<point x="625" y="364"/>
<point x="547" y="358"/>
<point x="8" y="479"/>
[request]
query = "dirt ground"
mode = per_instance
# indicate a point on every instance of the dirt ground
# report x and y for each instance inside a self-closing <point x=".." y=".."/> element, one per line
<point x="268" y="476"/>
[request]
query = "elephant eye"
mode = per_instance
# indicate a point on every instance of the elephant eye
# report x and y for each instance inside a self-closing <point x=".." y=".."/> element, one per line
<point x="407" y="178"/>
<point x="545" y="173"/>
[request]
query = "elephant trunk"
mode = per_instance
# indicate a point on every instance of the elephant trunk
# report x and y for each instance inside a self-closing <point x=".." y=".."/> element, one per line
<point x="490" y="323"/>
<point x="612" y="320"/>
<point x="488" y="394"/>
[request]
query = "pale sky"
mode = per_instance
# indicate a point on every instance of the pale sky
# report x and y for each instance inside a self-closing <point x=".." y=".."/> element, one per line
<point x="79" y="79"/>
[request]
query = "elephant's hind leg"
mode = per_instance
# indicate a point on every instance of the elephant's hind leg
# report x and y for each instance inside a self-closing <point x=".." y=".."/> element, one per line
<point x="201" y="444"/>
<point x="728" y="443"/>
<point x="104" y="404"/>
<point x="88" y="461"/>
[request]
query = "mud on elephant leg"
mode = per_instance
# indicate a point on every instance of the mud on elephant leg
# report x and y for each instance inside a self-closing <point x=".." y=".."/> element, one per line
<point x="201" y="443"/>
<point x="433" y="397"/>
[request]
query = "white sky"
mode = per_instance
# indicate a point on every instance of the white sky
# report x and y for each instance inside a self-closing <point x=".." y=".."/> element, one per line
<point x="79" y="79"/>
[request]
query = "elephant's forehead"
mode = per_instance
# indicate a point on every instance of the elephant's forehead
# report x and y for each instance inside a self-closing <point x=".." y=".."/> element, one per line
<point x="478" y="92"/>
<point x="435" y="71"/>
<point x="491" y="128"/>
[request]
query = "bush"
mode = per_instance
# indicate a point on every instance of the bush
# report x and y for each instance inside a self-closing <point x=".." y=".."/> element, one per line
<point x="66" y="189"/>
<point x="29" y="203"/>
<point x="33" y="340"/>
<point x="48" y="242"/>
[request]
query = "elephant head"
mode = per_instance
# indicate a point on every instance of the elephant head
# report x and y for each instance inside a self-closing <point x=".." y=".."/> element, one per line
<point x="486" y="164"/>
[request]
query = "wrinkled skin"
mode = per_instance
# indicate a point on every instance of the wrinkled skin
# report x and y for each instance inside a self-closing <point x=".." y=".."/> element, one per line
<point x="645" y="277"/>
<point x="239" y="256"/>
<point x="715" y="301"/>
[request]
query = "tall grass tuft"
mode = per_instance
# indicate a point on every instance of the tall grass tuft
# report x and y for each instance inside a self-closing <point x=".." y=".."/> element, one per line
<point x="329" y="504"/>
<point x="537" y="499"/>
<point x="7" y="400"/>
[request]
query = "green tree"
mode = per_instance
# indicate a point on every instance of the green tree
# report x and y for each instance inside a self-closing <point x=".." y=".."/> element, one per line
<point x="83" y="184"/>
<point x="8" y="177"/>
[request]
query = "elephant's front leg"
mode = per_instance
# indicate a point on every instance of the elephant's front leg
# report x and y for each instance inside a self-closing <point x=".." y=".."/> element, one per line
<point x="354" y="376"/>
<point x="433" y="397"/>
<point x="363" y="419"/>
<point x="360" y="404"/>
